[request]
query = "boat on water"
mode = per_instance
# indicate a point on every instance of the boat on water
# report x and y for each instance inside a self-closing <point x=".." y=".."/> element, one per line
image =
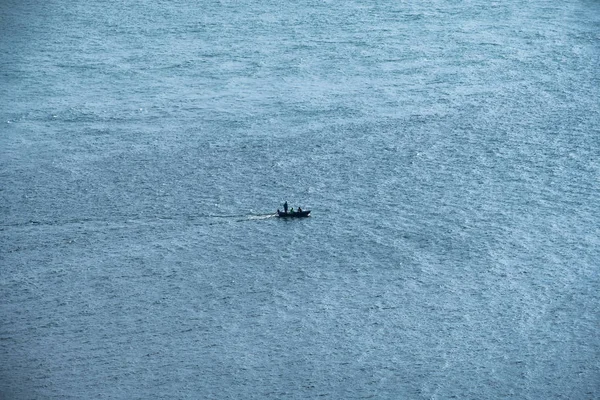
<point x="294" y="214"/>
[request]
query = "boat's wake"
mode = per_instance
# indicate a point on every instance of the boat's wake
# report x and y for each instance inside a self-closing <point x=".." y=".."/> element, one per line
<point x="260" y="216"/>
<point x="240" y="217"/>
<point x="199" y="219"/>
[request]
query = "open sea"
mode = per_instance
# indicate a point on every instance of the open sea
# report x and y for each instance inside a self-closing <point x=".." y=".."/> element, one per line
<point x="449" y="151"/>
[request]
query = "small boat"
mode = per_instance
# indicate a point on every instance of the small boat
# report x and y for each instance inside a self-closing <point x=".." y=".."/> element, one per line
<point x="295" y="214"/>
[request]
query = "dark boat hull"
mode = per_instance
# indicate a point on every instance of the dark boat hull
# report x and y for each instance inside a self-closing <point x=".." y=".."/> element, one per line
<point x="295" y="214"/>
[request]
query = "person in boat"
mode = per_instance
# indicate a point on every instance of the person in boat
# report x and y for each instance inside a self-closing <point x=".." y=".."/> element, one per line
<point x="299" y="209"/>
<point x="292" y="210"/>
<point x="285" y="207"/>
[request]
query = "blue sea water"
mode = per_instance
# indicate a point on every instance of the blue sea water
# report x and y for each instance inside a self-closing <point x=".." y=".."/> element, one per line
<point x="449" y="152"/>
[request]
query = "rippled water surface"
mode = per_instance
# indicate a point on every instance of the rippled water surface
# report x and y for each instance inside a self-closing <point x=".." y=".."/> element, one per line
<point x="449" y="152"/>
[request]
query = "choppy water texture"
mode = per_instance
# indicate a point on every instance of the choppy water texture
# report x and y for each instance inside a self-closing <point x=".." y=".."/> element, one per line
<point x="449" y="152"/>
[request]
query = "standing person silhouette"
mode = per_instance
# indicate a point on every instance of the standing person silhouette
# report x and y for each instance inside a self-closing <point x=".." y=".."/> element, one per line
<point x="285" y="207"/>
